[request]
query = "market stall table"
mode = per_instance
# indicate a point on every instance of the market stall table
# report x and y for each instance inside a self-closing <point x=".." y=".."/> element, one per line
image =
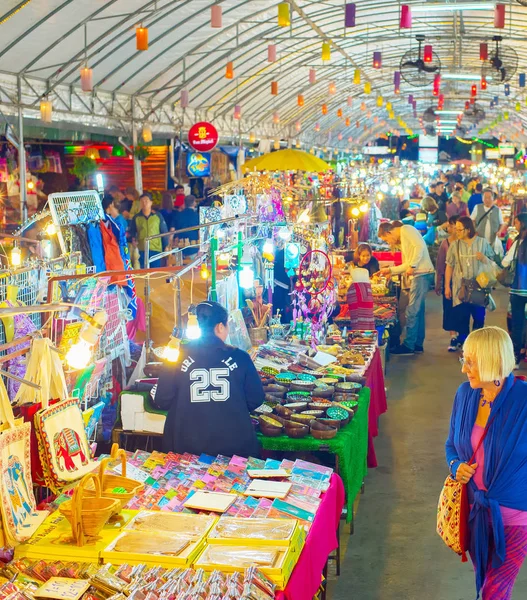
<point x="349" y="446"/>
<point x="321" y="540"/>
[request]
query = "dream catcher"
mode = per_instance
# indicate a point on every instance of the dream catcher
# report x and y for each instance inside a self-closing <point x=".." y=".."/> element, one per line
<point x="314" y="297"/>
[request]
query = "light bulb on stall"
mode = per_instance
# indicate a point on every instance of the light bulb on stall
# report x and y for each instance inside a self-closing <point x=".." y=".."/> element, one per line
<point x="171" y="352"/>
<point x="79" y="355"/>
<point x="380" y="196"/>
<point x="355" y="212"/>
<point x="51" y="229"/>
<point x="246" y="277"/>
<point x="364" y="207"/>
<point x="193" y="330"/>
<point x="284" y="234"/>
<point x="204" y="272"/>
<point x="30" y="185"/>
<point x="16" y="257"/>
<point x="268" y="250"/>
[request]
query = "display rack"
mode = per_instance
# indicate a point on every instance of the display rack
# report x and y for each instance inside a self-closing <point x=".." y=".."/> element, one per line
<point x="73" y="208"/>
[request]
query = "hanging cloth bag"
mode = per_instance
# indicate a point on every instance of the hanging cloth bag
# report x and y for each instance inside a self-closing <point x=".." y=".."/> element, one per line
<point x="507" y="275"/>
<point x="470" y="291"/>
<point x="44" y="369"/>
<point x="19" y="517"/>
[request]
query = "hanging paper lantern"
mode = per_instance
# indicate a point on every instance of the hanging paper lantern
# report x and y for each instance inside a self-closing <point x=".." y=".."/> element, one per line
<point x="410" y="98"/>
<point x="474" y="91"/>
<point x="388" y="106"/>
<point x="339" y="113"/>
<point x="391" y="114"/>
<point x="141" y="38"/>
<point x="274" y="88"/>
<point x="276" y="118"/>
<point x="348" y="121"/>
<point x="300" y="100"/>
<point x="483" y="84"/>
<point x="215" y="16"/>
<point x="46" y="110"/>
<point x="271" y="53"/>
<point x="229" y="70"/>
<point x="521" y="80"/>
<point x="332" y="89"/>
<point x="184" y="99"/>
<point x="437" y="84"/>
<point x="317" y="126"/>
<point x="499" y="16"/>
<point x="339" y="137"/>
<point x="350" y="140"/>
<point x="350" y="100"/>
<point x="147" y="133"/>
<point x="357" y="124"/>
<point x="397" y="82"/>
<point x="86" y="79"/>
<point x="350" y="14"/>
<point x="312" y="76"/>
<point x="326" y="51"/>
<point x="276" y="145"/>
<point x="375" y="119"/>
<point x="324" y="109"/>
<point x="92" y="153"/>
<point x="367" y="88"/>
<point x="406" y="17"/>
<point x="428" y="53"/>
<point x="380" y="101"/>
<point x="237" y="112"/>
<point x="356" y="77"/>
<point x="118" y="150"/>
<point x="506" y="115"/>
<point x="252" y="138"/>
<point x="284" y="16"/>
<point x="467" y="105"/>
<point x="507" y="89"/>
<point x="518" y="106"/>
<point x="298" y="126"/>
<point x="377" y="60"/>
<point x="368" y="114"/>
<point x="363" y="106"/>
<point x="483" y="51"/>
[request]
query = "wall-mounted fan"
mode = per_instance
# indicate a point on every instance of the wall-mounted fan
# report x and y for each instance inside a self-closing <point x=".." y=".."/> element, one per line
<point x="415" y="70"/>
<point x="474" y="113"/>
<point x="430" y="115"/>
<point x="501" y="64"/>
<point x="522" y="2"/>
<point x="430" y="130"/>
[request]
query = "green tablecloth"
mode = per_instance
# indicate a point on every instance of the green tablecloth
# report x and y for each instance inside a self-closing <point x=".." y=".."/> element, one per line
<point x="350" y="445"/>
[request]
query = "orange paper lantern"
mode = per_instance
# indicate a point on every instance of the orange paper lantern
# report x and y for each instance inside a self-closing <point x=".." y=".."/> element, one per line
<point x="141" y="38"/>
<point x="229" y="71"/>
<point x="324" y="109"/>
<point x="300" y="100"/>
<point x="274" y="88"/>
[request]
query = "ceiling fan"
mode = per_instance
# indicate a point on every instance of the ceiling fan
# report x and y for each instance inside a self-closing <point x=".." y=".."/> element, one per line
<point x="414" y="70"/>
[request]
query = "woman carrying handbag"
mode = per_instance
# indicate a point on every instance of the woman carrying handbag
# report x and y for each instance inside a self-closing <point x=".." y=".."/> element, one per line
<point x="486" y="452"/>
<point x="515" y="277"/>
<point x="467" y="258"/>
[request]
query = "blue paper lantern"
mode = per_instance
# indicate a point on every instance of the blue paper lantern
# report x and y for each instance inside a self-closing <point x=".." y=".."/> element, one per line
<point x="507" y="89"/>
<point x="521" y="80"/>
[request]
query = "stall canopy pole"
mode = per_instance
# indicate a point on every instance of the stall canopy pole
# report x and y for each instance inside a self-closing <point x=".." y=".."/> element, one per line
<point x="213" y="267"/>
<point x="21" y="158"/>
<point x="138" y="173"/>
<point x="240" y="255"/>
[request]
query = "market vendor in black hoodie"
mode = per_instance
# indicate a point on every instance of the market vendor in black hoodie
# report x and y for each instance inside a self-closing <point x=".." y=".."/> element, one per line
<point x="210" y="392"/>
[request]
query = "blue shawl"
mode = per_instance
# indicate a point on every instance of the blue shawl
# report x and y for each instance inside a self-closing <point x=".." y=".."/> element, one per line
<point x="505" y="475"/>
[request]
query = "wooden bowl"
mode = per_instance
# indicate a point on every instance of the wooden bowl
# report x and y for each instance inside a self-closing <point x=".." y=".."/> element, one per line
<point x="298" y="397"/>
<point x="270" y="427"/>
<point x="302" y="419"/>
<point x="302" y="386"/>
<point x="283" y="411"/>
<point x="315" y="413"/>
<point x="321" y="431"/>
<point x="296" y="430"/>
<point x="348" y="387"/>
<point x="340" y="413"/>
<point x="274" y="388"/>
<point x="331" y="422"/>
<point x="296" y="407"/>
<point x="324" y="393"/>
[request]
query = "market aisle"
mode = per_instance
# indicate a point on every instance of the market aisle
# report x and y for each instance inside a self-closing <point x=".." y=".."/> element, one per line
<point x="395" y="553"/>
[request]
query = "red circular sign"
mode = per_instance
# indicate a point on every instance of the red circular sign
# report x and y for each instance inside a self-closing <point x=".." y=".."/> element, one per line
<point x="203" y="136"/>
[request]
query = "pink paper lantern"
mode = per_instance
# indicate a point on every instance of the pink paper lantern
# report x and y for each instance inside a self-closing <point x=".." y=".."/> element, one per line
<point x="312" y="76"/>
<point x="406" y="17"/>
<point x="271" y="53"/>
<point x="350" y="100"/>
<point x="184" y="99"/>
<point x="215" y="16"/>
<point x="237" y="112"/>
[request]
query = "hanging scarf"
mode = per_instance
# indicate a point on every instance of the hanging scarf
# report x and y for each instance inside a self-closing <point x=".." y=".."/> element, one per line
<point x="505" y="475"/>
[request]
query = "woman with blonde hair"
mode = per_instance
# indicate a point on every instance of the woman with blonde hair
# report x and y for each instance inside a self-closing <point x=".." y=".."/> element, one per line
<point x="489" y="423"/>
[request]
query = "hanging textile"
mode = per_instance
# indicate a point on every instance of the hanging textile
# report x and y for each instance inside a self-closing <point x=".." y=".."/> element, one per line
<point x="112" y="254"/>
<point x="23" y="326"/>
<point x="120" y="235"/>
<point x="97" y="250"/>
<point x="83" y="244"/>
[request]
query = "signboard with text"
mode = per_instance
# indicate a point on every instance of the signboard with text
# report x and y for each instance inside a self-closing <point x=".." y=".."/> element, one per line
<point x="203" y="136"/>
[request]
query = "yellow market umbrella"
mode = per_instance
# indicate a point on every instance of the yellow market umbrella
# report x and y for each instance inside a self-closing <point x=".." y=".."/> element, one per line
<point x="286" y="160"/>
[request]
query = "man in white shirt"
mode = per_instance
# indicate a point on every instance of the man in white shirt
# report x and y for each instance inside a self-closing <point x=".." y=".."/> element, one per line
<point x="488" y="218"/>
<point x="419" y="269"/>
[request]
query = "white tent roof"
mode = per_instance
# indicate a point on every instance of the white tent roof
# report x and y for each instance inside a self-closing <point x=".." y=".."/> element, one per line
<point x="45" y="42"/>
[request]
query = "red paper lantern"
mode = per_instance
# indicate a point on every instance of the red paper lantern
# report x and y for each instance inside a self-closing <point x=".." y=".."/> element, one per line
<point x="474" y="90"/>
<point x="428" y="54"/>
<point x="483" y="83"/>
<point x="437" y="84"/>
<point x="483" y="51"/>
<point x="406" y="17"/>
<point x="499" y="16"/>
<point x="467" y="105"/>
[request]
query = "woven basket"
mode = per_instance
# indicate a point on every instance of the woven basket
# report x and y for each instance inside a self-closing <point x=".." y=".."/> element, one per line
<point x="87" y="516"/>
<point x="110" y="482"/>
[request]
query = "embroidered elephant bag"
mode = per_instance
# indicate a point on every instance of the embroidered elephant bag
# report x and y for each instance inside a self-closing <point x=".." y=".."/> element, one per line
<point x="63" y="445"/>
<point x="19" y="517"/>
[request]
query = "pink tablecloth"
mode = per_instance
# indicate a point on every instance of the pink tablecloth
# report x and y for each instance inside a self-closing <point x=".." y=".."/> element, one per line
<point x="378" y="405"/>
<point x="320" y="543"/>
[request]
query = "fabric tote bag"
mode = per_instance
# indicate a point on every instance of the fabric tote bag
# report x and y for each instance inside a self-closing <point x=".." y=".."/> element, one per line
<point x="19" y="517"/>
<point x="44" y="369"/>
<point x="470" y="291"/>
<point x="63" y="444"/>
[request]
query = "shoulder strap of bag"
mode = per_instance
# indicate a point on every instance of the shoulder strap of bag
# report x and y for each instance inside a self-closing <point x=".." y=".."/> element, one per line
<point x="459" y="258"/>
<point x="485" y="215"/>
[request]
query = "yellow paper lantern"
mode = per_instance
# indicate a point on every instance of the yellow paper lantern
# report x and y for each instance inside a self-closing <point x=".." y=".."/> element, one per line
<point x="388" y="106"/>
<point x="518" y="106"/>
<point x="326" y="51"/>
<point x="46" y="110"/>
<point x="356" y="77"/>
<point x="367" y="88"/>
<point x="252" y="138"/>
<point x="380" y="101"/>
<point x="86" y="79"/>
<point x="284" y="15"/>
